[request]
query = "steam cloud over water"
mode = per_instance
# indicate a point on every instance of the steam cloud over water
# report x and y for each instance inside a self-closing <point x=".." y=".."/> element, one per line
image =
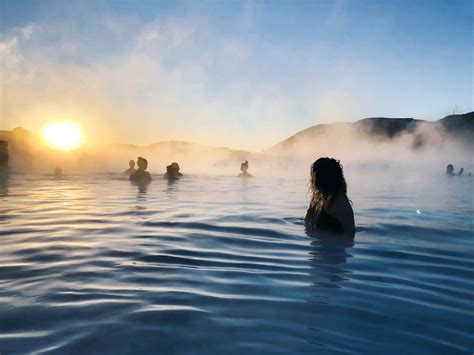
<point x="369" y="143"/>
<point x="384" y="142"/>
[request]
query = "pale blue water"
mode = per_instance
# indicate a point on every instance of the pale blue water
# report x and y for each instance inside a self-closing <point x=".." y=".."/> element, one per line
<point x="92" y="265"/>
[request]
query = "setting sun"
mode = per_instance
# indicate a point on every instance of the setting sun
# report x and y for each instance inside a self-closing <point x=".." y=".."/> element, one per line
<point x="64" y="135"/>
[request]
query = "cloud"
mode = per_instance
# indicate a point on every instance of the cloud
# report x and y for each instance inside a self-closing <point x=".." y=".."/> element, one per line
<point x="188" y="77"/>
<point x="178" y="80"/>
<point x="26" y="31"/>
<point x="9" y="45"/>
<point x="10" y="53"/>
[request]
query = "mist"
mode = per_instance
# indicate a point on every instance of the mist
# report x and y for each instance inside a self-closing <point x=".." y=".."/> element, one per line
<point x="363" y="145"/>
<point x="138" y="82"/>
<point x="371" y="145"/>
<point x="239" y="84"/>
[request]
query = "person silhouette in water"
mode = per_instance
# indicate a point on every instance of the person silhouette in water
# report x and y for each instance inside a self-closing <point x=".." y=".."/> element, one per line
<point x="58" y="173"/>
<point x="450" y="170"/>
<point x="329" y="209"/>
<point x="131" y="168"/>
<point x="141" y="176"/>
<point x="172" y="171"/>
<point x="244" y="167"/>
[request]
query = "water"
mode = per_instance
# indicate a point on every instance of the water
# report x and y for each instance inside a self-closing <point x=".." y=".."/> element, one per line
<point x="219" y="265"/>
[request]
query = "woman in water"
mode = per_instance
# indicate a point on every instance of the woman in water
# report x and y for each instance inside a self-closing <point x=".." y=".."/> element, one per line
<point x="450" y="170"/>
<point x="141" y="176"/>
<point x="172" y="171"/>
<point x="58" y="173"/>
<point x="131" y="168"/>
<point x="329" y="209"/>
<point x="244" y="167"/>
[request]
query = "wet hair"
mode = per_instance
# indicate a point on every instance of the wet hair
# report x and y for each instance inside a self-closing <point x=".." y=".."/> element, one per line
<point x="449" y="168"/>
<point x="173" y="170"/>
<point x="326" y="181"/>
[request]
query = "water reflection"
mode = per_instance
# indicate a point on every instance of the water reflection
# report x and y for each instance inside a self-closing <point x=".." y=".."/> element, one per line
<point x="328" y="258"/>
<point x="171" y="186"/>
<point x="328" y="262"/>
<point x="4" y="182"/>
<point x="142" y="188"/>
<point x="170" y="182"/>
<point x="244" y="193"/>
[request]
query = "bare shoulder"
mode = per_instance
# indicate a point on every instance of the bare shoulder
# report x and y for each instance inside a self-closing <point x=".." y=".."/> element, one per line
<point x="340" y="204"/>
<point x="341" y="208"/>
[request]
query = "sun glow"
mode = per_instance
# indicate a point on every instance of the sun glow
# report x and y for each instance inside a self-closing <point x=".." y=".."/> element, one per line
<point x="63" y="135"/>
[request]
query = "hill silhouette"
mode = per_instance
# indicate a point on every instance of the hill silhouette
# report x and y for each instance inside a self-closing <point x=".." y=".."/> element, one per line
<point x="370" y="135"/>
<point x="458" y="128"/>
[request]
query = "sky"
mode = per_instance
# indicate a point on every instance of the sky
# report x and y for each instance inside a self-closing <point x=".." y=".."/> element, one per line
<point x="241" y="74"/>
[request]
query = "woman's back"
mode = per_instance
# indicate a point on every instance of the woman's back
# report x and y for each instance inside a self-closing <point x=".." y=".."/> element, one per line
<point x="330" y="208"/>
<point x="140" y="176"/>
<point x="323" y="220"/>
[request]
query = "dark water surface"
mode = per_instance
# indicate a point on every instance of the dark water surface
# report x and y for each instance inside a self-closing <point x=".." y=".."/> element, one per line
<point x="92" y="265"/>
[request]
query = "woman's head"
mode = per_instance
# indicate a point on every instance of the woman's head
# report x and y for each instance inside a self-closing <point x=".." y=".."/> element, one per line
<point x="244" y="166"/>
<point x="175" y="166"/>
<point x="326" y="180"/>
<point x="173" y="169"/>
<point x="131" y="164"/>
<point x="142" y="163"/>
<point x="449" y="168"/>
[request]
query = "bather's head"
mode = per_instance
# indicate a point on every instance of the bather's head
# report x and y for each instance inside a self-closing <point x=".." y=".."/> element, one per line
<point x="450" y="169"/>
<point x="326" y="180"/>
<point x="175" y="167"/>
<point x="131" y="164"/>
<point x="244" y="167"/>
<point x="58" y="173"/>
<point x="142" y="163"/>
<point x="172" y="170"/>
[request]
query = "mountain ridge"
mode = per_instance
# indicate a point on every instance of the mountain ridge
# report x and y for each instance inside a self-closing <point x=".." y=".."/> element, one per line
<point x="372" y="138"/>
<point x="378" y="126"/>
<point x="388" y="128"/>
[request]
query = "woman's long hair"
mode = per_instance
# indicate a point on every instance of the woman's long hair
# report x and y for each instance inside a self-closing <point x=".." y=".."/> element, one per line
<point x="325" y="182"/>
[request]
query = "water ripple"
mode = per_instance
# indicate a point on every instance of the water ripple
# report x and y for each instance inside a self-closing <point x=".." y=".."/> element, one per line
<point x="213" y="265"/>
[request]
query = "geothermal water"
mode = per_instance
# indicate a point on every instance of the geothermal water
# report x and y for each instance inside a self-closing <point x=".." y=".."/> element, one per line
<point x="94" y="264"/>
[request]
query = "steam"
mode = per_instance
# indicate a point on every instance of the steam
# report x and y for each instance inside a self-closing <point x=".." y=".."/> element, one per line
<point x="364" y="145"/>
<point x="163" y="86"/>
<point x="425" y="146"/>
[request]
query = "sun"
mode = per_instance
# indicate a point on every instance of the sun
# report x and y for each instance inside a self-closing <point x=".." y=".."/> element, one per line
<point x="64" y="135"/>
